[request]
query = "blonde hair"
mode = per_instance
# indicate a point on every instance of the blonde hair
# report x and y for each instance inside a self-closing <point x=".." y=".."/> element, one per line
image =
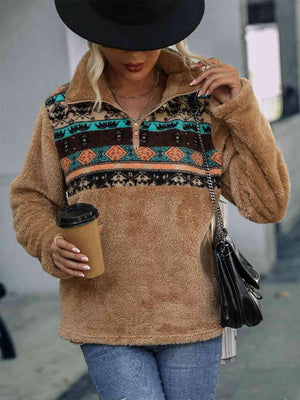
<point x="96" y="64"/>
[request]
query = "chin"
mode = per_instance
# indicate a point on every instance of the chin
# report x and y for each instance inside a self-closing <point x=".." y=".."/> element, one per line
<point x="136" y="75"/>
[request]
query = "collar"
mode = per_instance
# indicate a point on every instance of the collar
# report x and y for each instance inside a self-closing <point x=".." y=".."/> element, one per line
<point x="177" y="83"/>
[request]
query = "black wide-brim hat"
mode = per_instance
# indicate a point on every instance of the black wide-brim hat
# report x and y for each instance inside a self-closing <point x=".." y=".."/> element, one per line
<point x="134" y="24"/>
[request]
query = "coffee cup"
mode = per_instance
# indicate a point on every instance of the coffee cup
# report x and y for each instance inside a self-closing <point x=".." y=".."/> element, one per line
<point x="79" y="225"/>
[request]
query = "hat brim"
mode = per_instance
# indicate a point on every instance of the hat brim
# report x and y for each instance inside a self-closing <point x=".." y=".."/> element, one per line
<point x="83" y="20"/>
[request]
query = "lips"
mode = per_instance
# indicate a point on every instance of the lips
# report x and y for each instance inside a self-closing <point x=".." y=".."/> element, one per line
<point x="134" y="67"/>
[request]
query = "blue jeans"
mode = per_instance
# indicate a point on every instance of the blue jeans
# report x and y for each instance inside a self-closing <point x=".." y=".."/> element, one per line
<point x="185" y="371"/>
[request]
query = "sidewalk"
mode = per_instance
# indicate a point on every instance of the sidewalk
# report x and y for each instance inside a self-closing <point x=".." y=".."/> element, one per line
<point x="268" y="355"/>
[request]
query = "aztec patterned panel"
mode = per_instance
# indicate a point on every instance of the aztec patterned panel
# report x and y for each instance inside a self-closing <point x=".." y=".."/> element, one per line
<point x="96" y="150"/>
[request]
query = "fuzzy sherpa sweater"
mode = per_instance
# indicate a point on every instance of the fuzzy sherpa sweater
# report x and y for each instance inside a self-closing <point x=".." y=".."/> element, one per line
<point x="150" y="190"/>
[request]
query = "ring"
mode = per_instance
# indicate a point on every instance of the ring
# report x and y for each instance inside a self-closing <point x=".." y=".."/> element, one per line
<point x="56" y="237"/>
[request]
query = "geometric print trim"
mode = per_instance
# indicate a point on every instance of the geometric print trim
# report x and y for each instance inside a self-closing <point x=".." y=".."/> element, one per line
<point x="131" y="177"/>
<point x="103" y="125"/>
<point x="121" y="155"/>
<point x="140" y="167"/>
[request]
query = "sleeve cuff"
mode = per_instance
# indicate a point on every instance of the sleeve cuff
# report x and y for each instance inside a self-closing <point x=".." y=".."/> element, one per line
<point x="46" y="255"/>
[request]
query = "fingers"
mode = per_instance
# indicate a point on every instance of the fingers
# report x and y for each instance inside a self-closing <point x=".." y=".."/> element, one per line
<point x="69" y="271"/>
<point x="68" y="258"/>
<point x="198" y="64"/>
<point x="210" y="84"/>
<point x="206" y="75"/>
<point x="65" y="257"/>
<point x="209" y="74"/>
<point x="212" y="60"/>
<point x="79" y="257"/>
<point x="62" y="243"/>
<point x="74" y="268"/>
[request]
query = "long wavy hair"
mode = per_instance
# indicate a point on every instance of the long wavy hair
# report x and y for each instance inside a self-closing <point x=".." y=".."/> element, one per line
<point x="96" y="64"/>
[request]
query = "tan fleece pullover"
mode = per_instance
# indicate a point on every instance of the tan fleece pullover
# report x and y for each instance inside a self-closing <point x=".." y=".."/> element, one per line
<point x="151" y="192"/>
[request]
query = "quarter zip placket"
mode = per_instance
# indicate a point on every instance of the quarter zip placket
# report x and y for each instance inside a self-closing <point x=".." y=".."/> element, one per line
<point x="135" y="125"/>
<point x="136" y="133"/>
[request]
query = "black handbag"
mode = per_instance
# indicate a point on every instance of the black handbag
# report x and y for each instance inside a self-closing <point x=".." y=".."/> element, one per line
<point x="236" y="277"/>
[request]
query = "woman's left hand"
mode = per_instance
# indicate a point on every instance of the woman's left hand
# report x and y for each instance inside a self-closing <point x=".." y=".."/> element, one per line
<point x="221" y="80"/>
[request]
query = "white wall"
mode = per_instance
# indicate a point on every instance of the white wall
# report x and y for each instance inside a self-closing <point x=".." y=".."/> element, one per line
<point x="34" y="61"/>
<point x="38" y="54"/>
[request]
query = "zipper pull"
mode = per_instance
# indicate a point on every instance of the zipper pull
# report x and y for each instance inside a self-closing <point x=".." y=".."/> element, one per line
<point x="136" y="129"/>
<point x="135" y="136"/>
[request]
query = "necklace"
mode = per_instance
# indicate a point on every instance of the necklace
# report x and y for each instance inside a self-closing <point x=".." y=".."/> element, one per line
<point x="131" y="97"/>
<point x="152" y="90"/>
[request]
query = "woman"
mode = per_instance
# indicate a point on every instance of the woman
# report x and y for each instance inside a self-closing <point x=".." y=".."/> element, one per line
<point x="126" y="141"/>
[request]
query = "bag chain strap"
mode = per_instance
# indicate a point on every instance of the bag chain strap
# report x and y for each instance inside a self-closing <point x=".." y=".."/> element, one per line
<point x="221" y="230"/>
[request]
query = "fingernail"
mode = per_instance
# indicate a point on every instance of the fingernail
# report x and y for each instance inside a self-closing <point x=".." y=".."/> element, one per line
<point x="76" y="250"/>
<point x="193" y="82"/>
<point x="84" y="259"/>
<point x="86" y="267"/>
<point x="81" y="274"/>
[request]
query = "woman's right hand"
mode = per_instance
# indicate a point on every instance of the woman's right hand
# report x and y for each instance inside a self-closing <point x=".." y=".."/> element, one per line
<point x="67" y="259"/>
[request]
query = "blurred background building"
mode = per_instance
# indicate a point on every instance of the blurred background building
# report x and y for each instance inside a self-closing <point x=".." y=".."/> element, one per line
<point x="38" y="53"/>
